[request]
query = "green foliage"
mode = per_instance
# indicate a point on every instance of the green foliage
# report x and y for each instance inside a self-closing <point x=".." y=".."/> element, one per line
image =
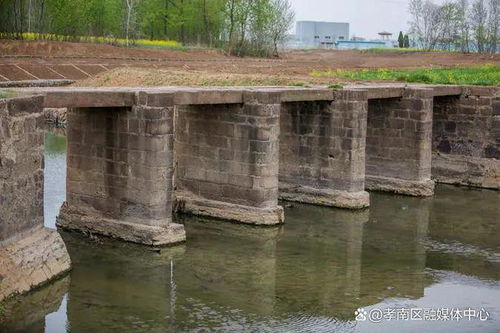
<point x="257" y="27"/>
<point x="406" y="42"/>
<point x="485" y="75"/>
<point x="6" y="93"/>
<point x="336" y="86"/>
<point x="243" y="27"/>
<point x="415" y="78"/>
<point x="2" y="310"/>
<point x="401" y="40"/>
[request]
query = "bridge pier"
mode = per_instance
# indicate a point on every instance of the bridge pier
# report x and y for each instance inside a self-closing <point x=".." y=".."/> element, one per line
<point x="29" y="253"/>
<point x="399" y="143"/>
<point x="227" y="159"/>
<point x="120" y="168"/>
<point x="466" y="137"/>
<point x="322" y="151"/>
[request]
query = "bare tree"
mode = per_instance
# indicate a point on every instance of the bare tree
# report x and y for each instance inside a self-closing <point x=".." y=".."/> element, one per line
<point x="450" y="16"/>
<point x="463" y="25"/>
<point x="131" y="7"/>
<point x="282" y="18"/>
<point x="477" y="16"/>
<point x="455" y="24"/>
<point x="427" y="23"/>
<point x="492" y="25"/>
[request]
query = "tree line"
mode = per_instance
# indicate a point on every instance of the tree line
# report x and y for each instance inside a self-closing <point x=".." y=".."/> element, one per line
<point x="461" y="25"/>
<point x="243" y="27"/>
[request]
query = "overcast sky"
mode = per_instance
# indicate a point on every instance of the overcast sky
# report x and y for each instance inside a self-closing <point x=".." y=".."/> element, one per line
<point x="366" y="17"/>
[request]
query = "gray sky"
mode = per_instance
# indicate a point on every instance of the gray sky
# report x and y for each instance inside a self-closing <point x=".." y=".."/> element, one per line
<point x="367" y="17"/>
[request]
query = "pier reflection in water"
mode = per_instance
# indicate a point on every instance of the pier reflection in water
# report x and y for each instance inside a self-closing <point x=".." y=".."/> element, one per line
<point x="309" y="275"/>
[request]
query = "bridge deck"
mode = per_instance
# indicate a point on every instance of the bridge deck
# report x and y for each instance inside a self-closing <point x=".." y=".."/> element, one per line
<point x="58" y="97"/>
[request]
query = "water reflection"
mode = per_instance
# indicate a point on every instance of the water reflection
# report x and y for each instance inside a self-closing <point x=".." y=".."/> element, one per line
<point x="118" y="287"/>
<point x="55" y="175"/>
<point x="464" y="232"/>
<point x="308" y="276"/>
<point x="319" y="262"/>
<point x="394" y="256"/>
<point x="29" y="314"/>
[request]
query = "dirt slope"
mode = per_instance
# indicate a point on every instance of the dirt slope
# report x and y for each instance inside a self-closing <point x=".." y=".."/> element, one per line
<point x="81" y="61"/>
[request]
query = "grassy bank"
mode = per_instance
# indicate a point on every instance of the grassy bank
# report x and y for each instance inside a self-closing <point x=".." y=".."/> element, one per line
<point x="484" y="75"/>
<point x="146" y="43"/>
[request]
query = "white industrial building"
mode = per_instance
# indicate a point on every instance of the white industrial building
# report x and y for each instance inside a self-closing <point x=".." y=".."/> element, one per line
<point x="317" y="34"/>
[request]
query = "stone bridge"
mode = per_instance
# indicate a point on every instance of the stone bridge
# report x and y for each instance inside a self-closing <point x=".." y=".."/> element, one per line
<point x="136" y="155"/>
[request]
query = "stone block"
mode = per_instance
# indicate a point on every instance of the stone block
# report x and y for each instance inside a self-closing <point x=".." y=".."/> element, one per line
<point x="72" y="218"/>
<point x="31" y="261"/>
<point x="261" y="97"/>
<point x="188" y="203"/>
<point x="24" y="105"/>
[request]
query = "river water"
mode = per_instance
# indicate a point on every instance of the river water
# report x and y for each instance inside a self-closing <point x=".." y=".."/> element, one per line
<point x="310" y="275"/>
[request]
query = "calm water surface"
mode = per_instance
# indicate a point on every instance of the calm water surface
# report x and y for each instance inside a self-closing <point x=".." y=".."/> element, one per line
<point x="308" y="276"/>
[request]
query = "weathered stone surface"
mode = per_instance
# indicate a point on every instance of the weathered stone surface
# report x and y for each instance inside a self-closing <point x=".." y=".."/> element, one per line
<point x="21" y="168"/>
<point x="29" y="254"/>
<point x="466" y="170"/>
<point x="422" y="188"/>
<point x="71" y="218"/>
<point x="36" y="83"/>
<point x="31" y="261"/>
<point x="305" y="95"/>
<point x="385" y="92"/>
<point x="322" y="151"/>
<point x="447" y="90"/>
<point x="236" y="149"/>
<point x="20" y="106"/>
<point x="331" y="198"/>
<point x="466" y="140"/>
<point x="66" y="98"/>
<point x="120" y="169"/>
<point x="203" y="97"/>
<point x="227" y="157"/>
<point x="55" y="115"/>
<point x="188" y="203"/>
<point x="398" y="142"/>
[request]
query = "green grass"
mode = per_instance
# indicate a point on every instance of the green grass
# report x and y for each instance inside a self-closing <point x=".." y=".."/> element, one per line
<point x="336" y="86"/>
<point x="6" y="93"/>
<point x="484" y="75"/>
